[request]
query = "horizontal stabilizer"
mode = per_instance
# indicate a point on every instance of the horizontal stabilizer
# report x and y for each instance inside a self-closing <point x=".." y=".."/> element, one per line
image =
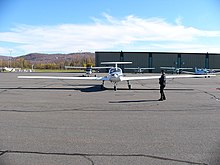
<point x="116" y="63"/>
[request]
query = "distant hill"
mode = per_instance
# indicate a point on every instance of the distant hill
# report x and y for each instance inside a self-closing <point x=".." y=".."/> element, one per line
<point x="3" y="57"/>
<point x="48" y="61"/>
<point x="50" y="58"/>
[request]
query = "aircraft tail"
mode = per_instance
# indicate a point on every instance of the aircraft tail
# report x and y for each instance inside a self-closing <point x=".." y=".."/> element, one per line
<point x="116" y="63"/>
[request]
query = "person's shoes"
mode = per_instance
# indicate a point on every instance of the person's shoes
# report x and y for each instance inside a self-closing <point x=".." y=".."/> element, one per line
<point x="160" y="99"/>
<point x="164" y="98"/>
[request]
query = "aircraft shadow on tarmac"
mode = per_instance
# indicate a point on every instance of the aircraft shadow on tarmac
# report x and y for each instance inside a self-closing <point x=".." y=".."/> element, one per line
<point x="88" y="89"/>
<point x="85" y="88"/>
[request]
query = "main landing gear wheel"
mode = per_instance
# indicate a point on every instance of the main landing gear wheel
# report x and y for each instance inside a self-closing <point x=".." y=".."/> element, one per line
<point x="115" y="88"/>
<point x="129" y="85"/>
<point x="102" y="85"/>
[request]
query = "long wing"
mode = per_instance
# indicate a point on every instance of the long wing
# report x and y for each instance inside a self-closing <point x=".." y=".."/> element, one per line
<point x="167" y="67"/>
<point x="62" y="78"/>
<point x="215" y="70"/>
<point x="81" y="67"/>
<point x="188" y="72"/>
<point x="140" y="68"/>
<point x="185" y="68"/>
<point x="100" y="67"/>
<point x="75" y="67"/>
<point x="173" y="68"/>
<point x="168" y="77"/>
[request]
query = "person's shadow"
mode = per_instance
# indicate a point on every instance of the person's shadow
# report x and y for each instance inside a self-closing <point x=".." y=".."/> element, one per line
<point x="132" y="101"/>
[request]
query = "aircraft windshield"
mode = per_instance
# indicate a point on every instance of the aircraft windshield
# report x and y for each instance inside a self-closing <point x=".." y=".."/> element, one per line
<point x="112" y="70"/>
<point x="88" y="69"/>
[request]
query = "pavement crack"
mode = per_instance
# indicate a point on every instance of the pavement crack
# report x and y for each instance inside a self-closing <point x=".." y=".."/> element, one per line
<point x="3" y="91"/>
<point x="88" y="156"/>
<point x="210" y="94"/>
<point x="89" y="159"/>
<point x="3" y="152"/>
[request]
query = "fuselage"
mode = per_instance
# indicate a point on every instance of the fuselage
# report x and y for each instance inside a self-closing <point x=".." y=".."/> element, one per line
<point x="88" y="71"/>
<point x="201" y="71"/>
<point x="115" y="74"/>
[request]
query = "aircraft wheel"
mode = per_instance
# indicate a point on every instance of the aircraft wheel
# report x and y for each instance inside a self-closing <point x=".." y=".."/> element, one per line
<point x="129" y="87"/>
<point x="115" y="88"/>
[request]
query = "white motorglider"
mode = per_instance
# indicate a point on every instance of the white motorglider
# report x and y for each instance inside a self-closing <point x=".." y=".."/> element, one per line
<point x="115" y="75"/>
<point x="88" y="70"/>
<point x="176" y="70"/>
<point x="139" y="69"/>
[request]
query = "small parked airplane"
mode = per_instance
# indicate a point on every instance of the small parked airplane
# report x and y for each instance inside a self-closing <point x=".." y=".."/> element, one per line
<point x="115" y="75"/>
<point x="139" y="69"/>
<point x="174" y="69"/>
<point x="88" y="70"/>
<point x="10" y="69"/>
<point x="203" y="71"/>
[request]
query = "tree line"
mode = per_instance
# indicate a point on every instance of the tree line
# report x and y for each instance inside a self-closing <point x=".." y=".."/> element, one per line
<point x="56" y="64"/>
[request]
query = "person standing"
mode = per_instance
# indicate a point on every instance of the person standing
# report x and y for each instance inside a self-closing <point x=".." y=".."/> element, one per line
<point x="162" y="82"/>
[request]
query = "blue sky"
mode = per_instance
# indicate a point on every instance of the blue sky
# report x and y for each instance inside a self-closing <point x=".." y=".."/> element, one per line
<point x="65" y="26"/>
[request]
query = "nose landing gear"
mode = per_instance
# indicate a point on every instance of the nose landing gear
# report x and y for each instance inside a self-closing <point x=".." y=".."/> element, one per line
<point x="129" y="85"/>
<point x="115" y="88"/>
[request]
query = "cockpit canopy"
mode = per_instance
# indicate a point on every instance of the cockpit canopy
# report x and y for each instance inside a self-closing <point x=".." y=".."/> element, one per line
<point x="113" y="70"/>
<point x="88" y="69"/>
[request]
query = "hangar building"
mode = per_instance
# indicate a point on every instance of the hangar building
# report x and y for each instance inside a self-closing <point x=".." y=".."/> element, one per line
<point x="159" y="59"/>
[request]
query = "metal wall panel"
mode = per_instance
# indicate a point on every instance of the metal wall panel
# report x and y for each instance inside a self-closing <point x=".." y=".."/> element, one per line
<point x="138" y="59"/>
<point x="106" y="57"/>
<point x="193" y="60"/>
<point x="164" y="59"/>
<point x="214" y="61"/>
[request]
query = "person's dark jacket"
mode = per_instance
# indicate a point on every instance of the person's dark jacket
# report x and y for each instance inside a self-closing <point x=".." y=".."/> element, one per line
<point x="162" y="80"/>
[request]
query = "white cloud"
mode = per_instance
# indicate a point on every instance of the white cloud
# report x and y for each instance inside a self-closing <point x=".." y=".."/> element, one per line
<point x="179" y="20"/>
<point x="109" y="33"/>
